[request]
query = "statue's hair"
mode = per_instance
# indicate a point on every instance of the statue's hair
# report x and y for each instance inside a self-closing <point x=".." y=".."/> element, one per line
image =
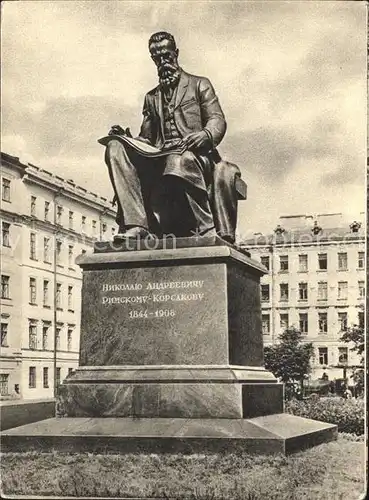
<point x="162" y="35"/>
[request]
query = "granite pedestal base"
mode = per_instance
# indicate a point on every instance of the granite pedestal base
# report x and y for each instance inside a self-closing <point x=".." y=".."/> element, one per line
<point x="171" y="359"/>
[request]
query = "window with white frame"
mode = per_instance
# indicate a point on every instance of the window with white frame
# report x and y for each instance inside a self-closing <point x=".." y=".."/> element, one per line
<point x="57" y="336"/>
<point x="5" y="234"/>
<point x="342" y="290"/>
<point x="4" y="334"/>
<point x="71" y="219"/>
<point x="46" y="294"/>
<point x="32" y="291"/>
<point x="342" y="320"/>
<point x="265" y="261"/>
<point x="46" y="211"/>
<point x="69" y="338"/>
<point x="323" y="355"/>
<point x="4" y="384"/>
<point x="361" y="289"/>
<point x="283" y="288"/>
<point x="32" y="246"/>
<point x="59" y="214"/>
<point x="361" y="260"/>
<point x="32" y="334"/>
<point x="45" y="336"/>
<point x="45" y="377"/>
<point x="283" y="321"/>
<point x="283" y="263"/>
<point x="33" y="206"/>
<point x="303" y="322"/>
<point x="322" y="290"/>
<point x="265" y="323"/>
<point x="32" y="377"/>
<point x="70" y="298"/>
<point x="343" y="355"/>
<point x="47" y="250"/>
<point x="303" y="291"/>
<point x="265" y="293"/>
<point x="342" y="261"/>
<point x="70" y="256"/>
<point x="322" y="322"/>
<point x="5" y="281"/>
<point x="58" y="295"/>
<point x="5" y="191"/>
<point x="303" y="263"/>
<point x="322" y="262"/>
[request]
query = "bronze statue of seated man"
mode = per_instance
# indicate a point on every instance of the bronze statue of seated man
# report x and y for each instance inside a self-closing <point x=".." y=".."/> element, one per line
<point x="186" y="189"/>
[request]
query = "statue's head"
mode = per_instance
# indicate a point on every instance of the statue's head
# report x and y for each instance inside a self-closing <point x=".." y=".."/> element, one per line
<point x="164" y="53"/>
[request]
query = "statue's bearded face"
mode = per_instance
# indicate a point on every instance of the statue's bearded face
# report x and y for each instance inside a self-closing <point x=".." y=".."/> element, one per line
<point x="165" y="57"/>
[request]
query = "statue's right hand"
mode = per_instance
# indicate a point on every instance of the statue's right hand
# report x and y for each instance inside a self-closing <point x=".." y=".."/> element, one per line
<point x="116" y="130"/>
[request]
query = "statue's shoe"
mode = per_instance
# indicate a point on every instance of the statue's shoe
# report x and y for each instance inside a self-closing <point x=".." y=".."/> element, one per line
<point x="136" y="232"/>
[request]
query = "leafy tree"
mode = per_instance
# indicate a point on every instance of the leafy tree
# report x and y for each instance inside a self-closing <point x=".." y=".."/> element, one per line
<point x="355" y="335"/>
<point x="289" y="360"/>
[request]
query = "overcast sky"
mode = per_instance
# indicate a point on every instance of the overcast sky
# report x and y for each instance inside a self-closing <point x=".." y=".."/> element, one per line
<point x="290" y="76"/>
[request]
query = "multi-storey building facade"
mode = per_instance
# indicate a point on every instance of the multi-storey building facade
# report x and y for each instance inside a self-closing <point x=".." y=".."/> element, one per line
<point x="316" y="282"/>
<point x="46" y="222"/>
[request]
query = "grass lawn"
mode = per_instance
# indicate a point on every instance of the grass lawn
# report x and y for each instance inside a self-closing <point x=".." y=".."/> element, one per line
<point x="331" y="471"/>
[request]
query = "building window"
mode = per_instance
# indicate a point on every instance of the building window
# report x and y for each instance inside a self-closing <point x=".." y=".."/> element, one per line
<point x="33" y="206"/>
<point x="32" y="335"/>
<point x="5" y="193"/>
<point x="47" y="250"/>
<point x="93" y="227"/>
<point x="103" y="229"/>
<point x="71" y="216"/>
<point x="323" y="322"/>
<point x="83" y="223"/>
<point x="303" y="291"/>
<point x="265" y="261"/>
<point x="323" y="355"/>
<point x="303" y="263"/>
<point x="361" y="289"/>
<point x="46" y="293"/>
<point x="59" y="214"/>
<point x="361" y="319"/>
<point x="322" y="290"/>
<point x="45" y="377"/>
<point x="283" y="287"/>
<point x="342" y="290"/>
<point x="58" y="251"/>
<point x="58" y="376"/>
<point x="283" y="262"/>
<point x="69" y="339"/>
<point x="343" y="355"/>
<point x="322" y="262"/>
<point x="47" y="211"/>
<point x="58" y="295"/>
<point x="5" y="234"/>
<point x="32" y="246"/>
<point x="4" y="334"/>
<point x="5" y="287"/>
<point x="265" y="295"/>
<point x="4" y="384"/>
<point x="303" y="322"/>
<point x="83" y="251"/>
<point x="57" y="337"/>
<point x="70" y="298"/>
<point x="45" y="337"/>
<point x="361" y="260"/>
<point x="32" y="377"/>
<point x="265" y="323"/>
<point x="342" y="261"/>
<point x="113" y="230"/>
<point x="70" y="256"/>
<point x="283" y="321"/>
<point x="70" y="370"/>
<point x="32" y="291"/>
<point x="342" y="320"/>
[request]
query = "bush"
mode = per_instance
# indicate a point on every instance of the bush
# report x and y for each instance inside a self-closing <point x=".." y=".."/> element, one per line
<point x="347" y="414"/>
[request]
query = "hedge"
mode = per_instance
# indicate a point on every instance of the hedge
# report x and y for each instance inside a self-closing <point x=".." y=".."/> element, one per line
<point x="347" y="414"/>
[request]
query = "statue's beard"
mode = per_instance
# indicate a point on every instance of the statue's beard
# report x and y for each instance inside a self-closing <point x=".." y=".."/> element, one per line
<point x="168" y="75"/>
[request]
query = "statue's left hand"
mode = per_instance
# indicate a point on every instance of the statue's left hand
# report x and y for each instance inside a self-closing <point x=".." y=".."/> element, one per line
<point x="196" y="140"/>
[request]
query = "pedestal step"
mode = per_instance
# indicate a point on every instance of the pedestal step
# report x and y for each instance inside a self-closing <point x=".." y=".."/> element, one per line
<point x="272" y="434"/>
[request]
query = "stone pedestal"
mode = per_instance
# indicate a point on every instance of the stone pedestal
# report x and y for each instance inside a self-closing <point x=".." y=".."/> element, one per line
<point x="171" y="358"/>
<point x="171" y="333"/>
